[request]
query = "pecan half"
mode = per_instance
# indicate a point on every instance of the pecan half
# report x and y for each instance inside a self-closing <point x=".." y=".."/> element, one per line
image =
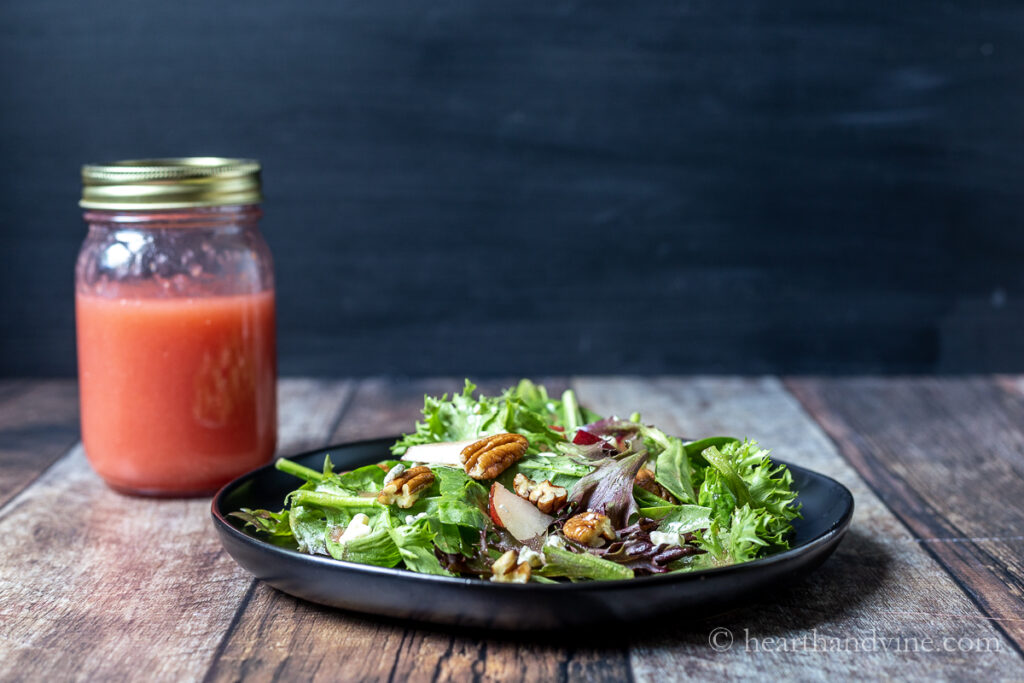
<point x="546" y="496"/>
<point x="492" y="455"/>
<point x="589" y="528"/>
<point x="406" y="487"/>
<point x="508" y="569"/>
<point x="645" y="480"/>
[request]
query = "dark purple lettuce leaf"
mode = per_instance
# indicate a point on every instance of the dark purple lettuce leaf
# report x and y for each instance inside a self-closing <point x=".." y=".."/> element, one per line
<point x="635" y="550"/>
<point x="611" y="426"/>
<point x="613" y="430"/>
<point x="591" y="455"/>
<point x="609" y="489"/>
<point x="458" y="563"/>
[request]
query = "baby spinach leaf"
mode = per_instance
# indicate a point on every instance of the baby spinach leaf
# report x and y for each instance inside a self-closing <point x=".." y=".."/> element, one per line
<point x="672" y="469"/>
<point x="560" y="470"/>
<point x="457" y="512"/>
<point x="415" y="545"/>
<point x="309" y="528"/>
<point x="685" y="519"/>
<point x="369" y="478"/>
<point x="377" y="548"/>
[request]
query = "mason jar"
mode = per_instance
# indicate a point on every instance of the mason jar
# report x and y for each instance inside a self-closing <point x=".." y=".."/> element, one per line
<point x="174" y="301"/>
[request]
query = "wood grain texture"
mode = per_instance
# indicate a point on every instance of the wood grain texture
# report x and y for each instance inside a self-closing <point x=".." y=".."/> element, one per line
<point x="947" y="455"/>
<point x="880" y="583"/>
<point x="128" y="587"/>
<point x="280" y="638"/>
<point x="99" y="586"/>
<point x="38" y="424"/>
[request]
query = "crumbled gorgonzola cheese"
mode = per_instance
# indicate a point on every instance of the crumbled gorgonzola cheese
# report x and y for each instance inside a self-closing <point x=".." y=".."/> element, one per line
<point x="357" y="528"/>
<point x="530" y="557"/>
<point x="555" y="542"/>
<point x="660" y="538"/>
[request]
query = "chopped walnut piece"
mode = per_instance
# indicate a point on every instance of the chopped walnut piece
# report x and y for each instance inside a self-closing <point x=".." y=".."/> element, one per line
<point x="406" y="487"/>
<point x="492" y="455"/>
<point x="546" y="496"/>
<point x="645" y="480"/>
<point x="506" y="570"/>
<point x="589" y="528"/>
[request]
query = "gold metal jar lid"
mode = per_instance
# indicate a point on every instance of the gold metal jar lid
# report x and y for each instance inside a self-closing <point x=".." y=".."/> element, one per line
<point x="170" y="183"/>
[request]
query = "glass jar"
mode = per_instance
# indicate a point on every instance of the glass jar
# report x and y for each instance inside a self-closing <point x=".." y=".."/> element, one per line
<point x="174" y="299"/>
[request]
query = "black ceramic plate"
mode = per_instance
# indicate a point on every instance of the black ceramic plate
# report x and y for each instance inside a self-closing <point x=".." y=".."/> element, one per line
<point x="827" y="509"/>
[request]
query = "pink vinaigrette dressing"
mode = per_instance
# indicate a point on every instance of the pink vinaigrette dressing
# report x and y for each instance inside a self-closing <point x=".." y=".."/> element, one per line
<point x="174" y="304"/>
<point x="178" y="395"/>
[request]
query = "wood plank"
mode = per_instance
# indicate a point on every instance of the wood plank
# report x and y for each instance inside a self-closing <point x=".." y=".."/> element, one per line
<point x="38" y="424"/>
<point x="881" y="583"/>
<point x="947" y="456"/>
<point x="104" y="586"/>
<point x="279" y="637"/>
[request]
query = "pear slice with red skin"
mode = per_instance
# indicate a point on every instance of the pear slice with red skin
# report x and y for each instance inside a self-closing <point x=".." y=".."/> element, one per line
<point x="519" y="516"/>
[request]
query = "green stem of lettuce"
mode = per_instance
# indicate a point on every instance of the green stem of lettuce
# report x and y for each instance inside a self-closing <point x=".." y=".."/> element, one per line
<point x="297" y="470"/>
<point x="581" y="566"/>
<point x="331" y="500"/>
<point x="573" y="418"/>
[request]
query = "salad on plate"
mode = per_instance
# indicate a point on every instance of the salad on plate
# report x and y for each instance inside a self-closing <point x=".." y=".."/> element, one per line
<point x="525" y="487"/>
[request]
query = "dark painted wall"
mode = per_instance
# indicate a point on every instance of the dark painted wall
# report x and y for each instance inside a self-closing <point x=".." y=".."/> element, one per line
<point x="551" y="186"/>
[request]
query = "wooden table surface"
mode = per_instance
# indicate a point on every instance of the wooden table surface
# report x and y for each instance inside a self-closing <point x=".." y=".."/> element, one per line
<point x="928" y="583"/>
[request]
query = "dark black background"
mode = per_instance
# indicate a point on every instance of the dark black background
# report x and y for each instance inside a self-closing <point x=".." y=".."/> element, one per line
<point x="549" y="186"/>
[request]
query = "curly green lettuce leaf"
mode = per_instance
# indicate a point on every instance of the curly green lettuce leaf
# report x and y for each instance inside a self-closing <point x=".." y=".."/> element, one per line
<point x="717" y="495"/>
<point x="695" y="448"/>
<point x="463" y="417"/>
<point x="566" y="413"/>
<point x="524" y="410"/>
<point x="751" y="499"/>
<point x="756" y="481"/>
<point x="741" y="540"/>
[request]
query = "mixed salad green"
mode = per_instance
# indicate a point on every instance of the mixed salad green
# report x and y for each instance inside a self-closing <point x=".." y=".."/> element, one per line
<point x="578" y="496"/>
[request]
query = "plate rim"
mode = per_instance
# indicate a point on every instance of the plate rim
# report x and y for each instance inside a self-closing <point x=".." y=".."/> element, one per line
<point x="223" y="525"/>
